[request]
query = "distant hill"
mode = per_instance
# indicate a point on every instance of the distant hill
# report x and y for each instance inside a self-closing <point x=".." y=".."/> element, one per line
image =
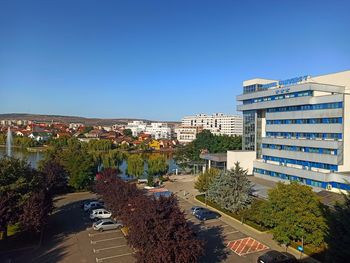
<point x="70" y="119"/>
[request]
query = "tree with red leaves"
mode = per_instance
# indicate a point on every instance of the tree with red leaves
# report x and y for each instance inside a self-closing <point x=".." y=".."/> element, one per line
<point x="158" y="230"/>
<point x="19" y="185"/>
<point x="36" y="210"/>
<point x="55" y="176"/>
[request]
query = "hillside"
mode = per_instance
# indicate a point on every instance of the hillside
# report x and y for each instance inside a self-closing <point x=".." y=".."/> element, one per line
<point x="70" y="119"/>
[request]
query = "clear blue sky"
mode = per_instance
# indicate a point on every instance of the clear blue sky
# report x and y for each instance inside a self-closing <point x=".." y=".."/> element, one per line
<point x="160" y="59"/>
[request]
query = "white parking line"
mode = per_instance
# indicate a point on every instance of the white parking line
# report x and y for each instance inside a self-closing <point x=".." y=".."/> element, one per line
<point x="102" y="233"/>
<point x="232" y="232"/>
<point x="117" y="256"/>
<point x="106" y="248"/>
<point x="103" y="240"/>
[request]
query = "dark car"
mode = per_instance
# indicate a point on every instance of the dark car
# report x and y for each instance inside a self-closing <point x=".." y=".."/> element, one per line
<point x="274" y="256"/>
<point x="206" y="215"/>
<point x="196" y="209"/>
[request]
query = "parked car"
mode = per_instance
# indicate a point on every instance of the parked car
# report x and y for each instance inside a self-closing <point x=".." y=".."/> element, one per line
<point x="92" y="204"/>
<point x="106" y="224"/>
<point x="274" y="256"/>
<point x="100" y="206"/>
<point x="100" y="214"/>
<point x="206" y="215"/>
<point x="86" y="202"/>
<point x="196" y="209"/>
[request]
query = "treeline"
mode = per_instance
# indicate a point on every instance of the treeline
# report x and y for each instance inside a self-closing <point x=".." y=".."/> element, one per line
<point x="157" y="228"/>
<point x="19" y="141"/>
<point x="26" y="194"/>
<point x="210" y="142"/>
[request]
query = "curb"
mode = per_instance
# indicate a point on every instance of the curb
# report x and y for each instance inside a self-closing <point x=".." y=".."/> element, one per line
<point x="230" y="217"/>
<point x="295" y="251"/>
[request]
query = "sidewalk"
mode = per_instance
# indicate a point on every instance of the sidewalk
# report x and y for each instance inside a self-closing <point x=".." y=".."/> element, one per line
<point x="183" y="188"/>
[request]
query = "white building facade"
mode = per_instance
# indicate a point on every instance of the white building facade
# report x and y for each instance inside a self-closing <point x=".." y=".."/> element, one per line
<point x="157" y="130"/>
<point x="218" y="123"/>
<point x="299" y="129"/>
<point x="136" y="127"/>
<point x="186" y="134"/>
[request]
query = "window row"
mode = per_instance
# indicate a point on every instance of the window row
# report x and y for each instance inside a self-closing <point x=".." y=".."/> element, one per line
<point x="305" y="135"/>
<point x="279" y="97"/>
<point x="300" y="149"/>
<point x="306" y="121"/>
<point x="303" y="180"/>
<point x="322" y="106"/>
<point x="304" y="164"/>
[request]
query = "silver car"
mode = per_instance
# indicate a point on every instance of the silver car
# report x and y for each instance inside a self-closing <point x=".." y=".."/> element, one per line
<point x="106" y="224"/>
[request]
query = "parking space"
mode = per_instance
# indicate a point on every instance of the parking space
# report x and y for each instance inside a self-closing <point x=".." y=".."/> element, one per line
<point x="222" y="240"/>
<point x="110" y="246"/>
<point x="246" y="246"/>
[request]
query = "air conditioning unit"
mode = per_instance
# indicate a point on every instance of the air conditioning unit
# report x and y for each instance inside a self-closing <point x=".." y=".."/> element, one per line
<point x="329" y="187"/>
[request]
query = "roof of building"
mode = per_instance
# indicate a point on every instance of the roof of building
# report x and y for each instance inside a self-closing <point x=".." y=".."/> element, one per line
<point x="216" y="157"/>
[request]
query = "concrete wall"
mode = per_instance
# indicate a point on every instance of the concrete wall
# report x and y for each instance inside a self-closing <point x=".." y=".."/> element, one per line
<point x="245" y="159"/>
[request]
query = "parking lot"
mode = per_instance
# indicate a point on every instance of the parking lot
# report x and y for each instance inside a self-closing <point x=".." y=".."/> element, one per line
<point x="223" y="243"/>
<point x="108" y="246"/>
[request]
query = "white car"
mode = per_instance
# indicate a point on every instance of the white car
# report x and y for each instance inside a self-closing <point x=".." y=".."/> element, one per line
<point x="91" y="205"/>
<point x="106" y="224"/>
<point x="100" y="214"/>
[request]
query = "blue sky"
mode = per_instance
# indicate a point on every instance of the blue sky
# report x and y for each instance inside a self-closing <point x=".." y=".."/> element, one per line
<point x="160" y="59"/>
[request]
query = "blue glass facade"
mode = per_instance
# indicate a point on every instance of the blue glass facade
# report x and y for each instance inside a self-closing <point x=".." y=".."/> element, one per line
<point x="279" y="97"/>
<point x="321" y="106"/>
<point x="304" y="164"/>
<point x="306" y="121"/>
<point x="305" y="135"/>
<point x="306" y="181"/>
<point x="300" y="149"/>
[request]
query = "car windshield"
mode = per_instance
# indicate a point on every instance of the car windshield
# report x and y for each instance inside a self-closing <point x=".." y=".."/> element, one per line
<point x="99" y="222"/>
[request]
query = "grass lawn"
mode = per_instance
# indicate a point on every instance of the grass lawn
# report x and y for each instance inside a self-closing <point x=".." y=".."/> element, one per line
<point x="13" y="229"/>
<point x="18" y="239"/>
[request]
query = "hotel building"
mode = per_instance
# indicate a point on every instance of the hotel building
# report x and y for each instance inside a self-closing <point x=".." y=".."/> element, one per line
<point x="299" y="129"/>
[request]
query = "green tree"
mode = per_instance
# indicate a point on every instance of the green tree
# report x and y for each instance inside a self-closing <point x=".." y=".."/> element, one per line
<point x="231" y="190"/>
<point x="79" y="164"/>
<point x="205" y="179"/>
<point x="208" y="141"/>
<point x="127" y="132"/>
<point x="338" y="238"/>
<point x="295" y="213"/>
<point x="135" y="165"/>
<point x="87" y="129"/>
<point x="157" y="165"/>
<point x="17" y="181"/>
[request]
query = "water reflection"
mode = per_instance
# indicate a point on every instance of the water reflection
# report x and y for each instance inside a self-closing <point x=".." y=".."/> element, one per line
<point x="32" y="157"/>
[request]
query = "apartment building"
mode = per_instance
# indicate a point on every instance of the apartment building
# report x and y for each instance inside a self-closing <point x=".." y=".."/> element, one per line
<point x="218" y="123"/>
<point x="157" y="130"/>
<point x="186" y="134"/>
